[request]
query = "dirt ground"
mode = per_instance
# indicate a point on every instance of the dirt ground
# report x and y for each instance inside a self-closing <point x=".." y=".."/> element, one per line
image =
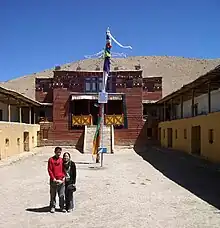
<point x="129" y="191"/>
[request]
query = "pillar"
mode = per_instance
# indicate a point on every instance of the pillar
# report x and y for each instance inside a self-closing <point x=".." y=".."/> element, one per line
<point x="209" y="98"/>
<point x="20" y="114"/>
<point x="9" y="111"/>
<point x="193" y="95"/>
<point x="29" y="115"/>
<point x="34" y="116"/>
<point x="181" y="107"/>
<point x="164" y="111"/>
<point x="171" y="110"/>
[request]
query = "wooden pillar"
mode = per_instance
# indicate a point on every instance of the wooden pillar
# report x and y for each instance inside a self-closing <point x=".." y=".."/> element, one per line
<point x="209" y="98"/>
<point x="164" y="111"/>
<point x="9" y="111"/>
<point x="34" y="116"/>
<point x="181" y="107"/>
<point x="193" y="94"/>
<point x="29" y="115"/>
<point x="171" y="110"/>
<point x="20" y="114"/>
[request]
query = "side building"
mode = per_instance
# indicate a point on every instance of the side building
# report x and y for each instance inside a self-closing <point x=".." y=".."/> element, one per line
<point x="18" y="129"/>
<point x="190" y="117"/>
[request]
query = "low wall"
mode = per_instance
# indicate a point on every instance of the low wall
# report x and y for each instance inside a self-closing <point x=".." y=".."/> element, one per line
<point x="12" y="138"/>
<point x="182" y="134"/>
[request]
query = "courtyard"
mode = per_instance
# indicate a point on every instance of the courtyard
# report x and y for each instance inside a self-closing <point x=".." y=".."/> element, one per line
<point x="152" y="188"/>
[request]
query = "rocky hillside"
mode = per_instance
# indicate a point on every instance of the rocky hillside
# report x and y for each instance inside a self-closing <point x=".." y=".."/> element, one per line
<point x="176" y="71"/>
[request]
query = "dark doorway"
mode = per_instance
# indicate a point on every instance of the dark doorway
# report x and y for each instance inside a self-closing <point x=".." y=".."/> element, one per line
<point x="38" y="138"/>
<point x="26" y="141"/>
<point x="79" y="107"/>
<point x="196" y="140"/>
<point x="170" y="137"/>
<point x="114" y="107"/>
<point x="149" y="132"/>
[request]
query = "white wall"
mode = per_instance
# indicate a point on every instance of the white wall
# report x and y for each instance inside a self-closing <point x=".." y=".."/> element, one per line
<point x="202" y="102"/>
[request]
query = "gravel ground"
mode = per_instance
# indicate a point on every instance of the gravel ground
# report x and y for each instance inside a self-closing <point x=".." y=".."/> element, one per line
<point x="127" y="192"/>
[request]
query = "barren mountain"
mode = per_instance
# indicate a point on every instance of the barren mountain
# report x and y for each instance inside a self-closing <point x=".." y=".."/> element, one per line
<point x="176" y="71"/>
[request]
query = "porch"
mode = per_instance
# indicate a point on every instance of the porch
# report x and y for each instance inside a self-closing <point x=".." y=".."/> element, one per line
<point x="84" y="110"/>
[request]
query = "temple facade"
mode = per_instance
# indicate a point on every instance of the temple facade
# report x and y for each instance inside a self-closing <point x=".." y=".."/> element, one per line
<point x="70" y="105"/>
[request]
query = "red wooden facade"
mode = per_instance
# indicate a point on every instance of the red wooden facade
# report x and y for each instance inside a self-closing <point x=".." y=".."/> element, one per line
<point x="56" y="93"/>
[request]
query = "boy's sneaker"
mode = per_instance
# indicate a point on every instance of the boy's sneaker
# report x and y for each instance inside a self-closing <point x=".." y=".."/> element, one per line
<point x="63" y="210"/>
<point x="52" y="210"/>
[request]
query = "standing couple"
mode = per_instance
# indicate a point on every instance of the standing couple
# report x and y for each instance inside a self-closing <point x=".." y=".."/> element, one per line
<point x="62" y="172"/>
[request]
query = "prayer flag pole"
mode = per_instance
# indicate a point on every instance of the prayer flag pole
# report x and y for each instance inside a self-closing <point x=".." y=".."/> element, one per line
<point x="98" y="142"/>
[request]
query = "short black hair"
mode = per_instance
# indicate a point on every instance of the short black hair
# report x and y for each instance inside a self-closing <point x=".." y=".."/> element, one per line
<point x="57" y="148"/>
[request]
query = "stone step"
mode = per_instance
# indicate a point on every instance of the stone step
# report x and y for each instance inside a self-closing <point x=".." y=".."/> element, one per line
<point x="90" y="136"/>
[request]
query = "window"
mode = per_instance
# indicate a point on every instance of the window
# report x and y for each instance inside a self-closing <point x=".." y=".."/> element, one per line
<point x="185" y="134"/>
<point x="176" y="134"/>
<point x="100" y="84"/>
<point x="7" y="142"/>
<point x="152" y="84"/>
<point x="87" y="85"/>
<point x="93" y="84"/>
<point x="1" y="115"/>
<point x="129" y="83"/>
<point x="18" y="141"/>
<point x="211" y="136"/>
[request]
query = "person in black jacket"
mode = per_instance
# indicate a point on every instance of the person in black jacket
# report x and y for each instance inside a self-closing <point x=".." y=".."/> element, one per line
<point x="70" y="180"/>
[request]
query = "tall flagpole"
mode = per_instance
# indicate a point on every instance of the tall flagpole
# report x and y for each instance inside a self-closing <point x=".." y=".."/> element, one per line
<point x="98" y="142"/>
<point x="103" y="96"/>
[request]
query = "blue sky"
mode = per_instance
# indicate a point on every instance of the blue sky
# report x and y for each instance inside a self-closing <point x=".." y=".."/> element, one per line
<point x="39" y="34"/>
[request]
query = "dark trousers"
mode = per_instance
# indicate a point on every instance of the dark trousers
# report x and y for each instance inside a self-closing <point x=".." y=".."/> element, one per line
<point x="54" y="189"/>
<point x="68" y="198"/>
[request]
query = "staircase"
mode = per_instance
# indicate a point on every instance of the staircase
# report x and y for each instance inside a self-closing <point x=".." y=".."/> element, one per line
<point x="89" y="136"/>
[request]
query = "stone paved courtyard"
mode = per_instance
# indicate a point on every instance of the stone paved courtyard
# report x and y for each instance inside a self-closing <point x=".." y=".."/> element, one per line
<point x="127" y="192"/>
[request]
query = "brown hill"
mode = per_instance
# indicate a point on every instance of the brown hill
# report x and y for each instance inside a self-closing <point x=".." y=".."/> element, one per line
<point x="176" y="71"/>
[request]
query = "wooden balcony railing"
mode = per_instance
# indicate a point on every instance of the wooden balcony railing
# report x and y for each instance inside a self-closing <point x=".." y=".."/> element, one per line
<point x="81" y="120"/>
<point x="116" y="120"/>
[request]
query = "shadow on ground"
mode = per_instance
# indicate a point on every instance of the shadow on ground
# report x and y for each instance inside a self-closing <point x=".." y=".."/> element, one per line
<point x="39" y="209"/>
<point x="198" y="176"/>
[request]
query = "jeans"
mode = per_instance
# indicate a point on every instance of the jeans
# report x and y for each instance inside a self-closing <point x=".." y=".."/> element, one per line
<point x="68" y="198"/>
<point x="54" y="189"/>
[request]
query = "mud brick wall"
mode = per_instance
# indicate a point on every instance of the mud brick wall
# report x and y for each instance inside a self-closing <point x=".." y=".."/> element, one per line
<point x="133" y="100"/>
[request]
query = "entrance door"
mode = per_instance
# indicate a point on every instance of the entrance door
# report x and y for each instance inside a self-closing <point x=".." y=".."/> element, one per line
<point x="170" y="137"/>
<point x="38" y="138"/>
<point x="196" y="140"/>
<point x="159" y="135"/>
<point x="26" y="141"/>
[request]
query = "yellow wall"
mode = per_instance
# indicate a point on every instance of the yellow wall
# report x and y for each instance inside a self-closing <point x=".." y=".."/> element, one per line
<point x="206" y="122"/>
<point x="13" y="132"/>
